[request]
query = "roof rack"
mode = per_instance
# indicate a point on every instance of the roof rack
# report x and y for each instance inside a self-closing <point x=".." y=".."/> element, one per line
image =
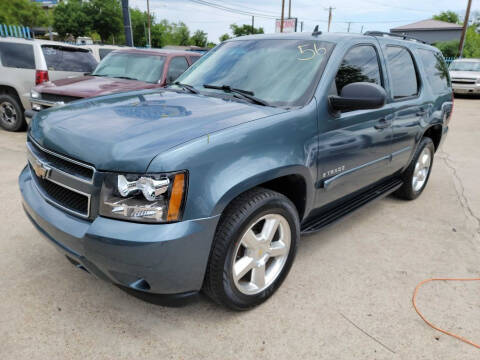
<point x="404" y="37"/>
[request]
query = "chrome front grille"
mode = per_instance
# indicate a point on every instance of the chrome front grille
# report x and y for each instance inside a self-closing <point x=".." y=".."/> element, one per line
<point x="63" y="182"/>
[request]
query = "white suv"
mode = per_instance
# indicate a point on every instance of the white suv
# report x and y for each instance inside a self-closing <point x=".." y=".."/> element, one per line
<point x="26" y="63"/>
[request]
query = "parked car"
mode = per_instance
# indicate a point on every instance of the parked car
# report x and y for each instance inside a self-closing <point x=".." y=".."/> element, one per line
<point x="26" y="63"/>
<point x="121" y="70"/>
<point x="465" y="75"/>
<point x="209" y="183"/>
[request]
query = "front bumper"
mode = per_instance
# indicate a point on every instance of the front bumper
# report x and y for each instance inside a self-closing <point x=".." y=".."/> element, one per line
<point x="466" y="88"/>
<point x="160" y="259"/>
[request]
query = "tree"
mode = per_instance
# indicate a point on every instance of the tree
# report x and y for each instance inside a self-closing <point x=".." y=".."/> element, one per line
<point x="471" y="48"/>
<point x="106" y="16"/>
<point x="224" y="37"/>
<point x="139" y="21"/>
<point x="199" y="38"/>
<point x="71" y="18"/>
<point x="447" y="16"/>
<point x="23" y="12"/>
<point x="245" y="30"/>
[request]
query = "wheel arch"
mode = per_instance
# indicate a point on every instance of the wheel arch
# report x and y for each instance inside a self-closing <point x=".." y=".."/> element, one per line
<point x="434" y="132"/>
<point x="10" y="90"/>
<point x="293" y="182"/>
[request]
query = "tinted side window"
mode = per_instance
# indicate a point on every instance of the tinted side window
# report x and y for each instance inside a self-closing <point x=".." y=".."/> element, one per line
<point x="68" y="59"/>
<point x="360" y="64"/>
<point x="17" y="55"/>
<point x="436" y="70"/>
<point x="176" y="68"/>
<point x="402" y="71"/>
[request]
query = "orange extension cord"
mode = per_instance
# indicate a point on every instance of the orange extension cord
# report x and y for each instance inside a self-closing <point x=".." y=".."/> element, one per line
<point x="436" y="327"/>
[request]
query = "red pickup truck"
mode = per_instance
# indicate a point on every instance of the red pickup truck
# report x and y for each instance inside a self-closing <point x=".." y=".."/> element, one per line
<point x="121" y="70"/>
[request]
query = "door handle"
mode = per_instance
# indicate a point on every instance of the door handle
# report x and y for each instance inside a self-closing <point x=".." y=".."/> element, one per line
<point x="382" y="124"/>
<point x="421" y="112"/>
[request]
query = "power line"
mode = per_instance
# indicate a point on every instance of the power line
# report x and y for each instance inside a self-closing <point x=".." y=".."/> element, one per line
<point x="233" y="10"/>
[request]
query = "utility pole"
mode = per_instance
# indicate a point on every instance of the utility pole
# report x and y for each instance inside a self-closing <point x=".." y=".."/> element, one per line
<point x="289" y="9"/>
<point x="348" y="29"/>
<point x="330" y="17"/>
<point x="464" y="31"/>
<point x="361" y="31"/>
<point x="127" y="24"/>
<point x="281" y="20"/>
<point x="301" y="26"/>
<point x="253" y="24"/>
<point x="149" y="26"/>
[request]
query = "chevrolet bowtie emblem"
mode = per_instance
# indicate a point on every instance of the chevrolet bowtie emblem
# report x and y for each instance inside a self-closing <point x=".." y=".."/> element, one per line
<point x="41" y="169"/>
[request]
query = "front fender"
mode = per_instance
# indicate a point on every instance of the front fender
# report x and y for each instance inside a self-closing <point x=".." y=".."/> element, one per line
<point x="226" y="163"/>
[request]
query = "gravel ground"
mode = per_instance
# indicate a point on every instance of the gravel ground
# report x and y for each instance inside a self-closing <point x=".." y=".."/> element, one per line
<point x="348" y="295"/>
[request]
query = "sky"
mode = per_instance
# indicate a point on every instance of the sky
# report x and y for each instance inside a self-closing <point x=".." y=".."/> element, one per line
<point x="370" y="14"/>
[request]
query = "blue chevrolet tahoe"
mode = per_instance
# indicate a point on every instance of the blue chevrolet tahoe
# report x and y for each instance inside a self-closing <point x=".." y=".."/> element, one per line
<point x="208" y="184"/>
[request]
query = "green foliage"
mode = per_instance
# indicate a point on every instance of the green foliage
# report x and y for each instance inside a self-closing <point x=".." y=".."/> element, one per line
<point x="224" y="37"/>
<point x="106" y="17"/>
<point x="448" y="48"/>
<point x="447" y="16"/>
<point x="139" y="21"/>
<point x="245" y="30"/>
<point x="471" y="48"/>
<point x="23" y="12"/>
<point x="71" y="18"/>
<point x="199" y="38"/>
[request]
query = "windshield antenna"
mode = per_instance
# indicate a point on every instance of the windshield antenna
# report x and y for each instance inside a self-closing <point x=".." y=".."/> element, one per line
<point x="316" y="32"/>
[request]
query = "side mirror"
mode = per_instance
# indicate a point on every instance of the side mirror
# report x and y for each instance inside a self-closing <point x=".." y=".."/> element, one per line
<point x="358" y="96"/>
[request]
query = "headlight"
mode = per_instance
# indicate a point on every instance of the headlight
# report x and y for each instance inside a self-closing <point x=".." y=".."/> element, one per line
<point x="144" y="198"/>
<point x="34" y="94"/>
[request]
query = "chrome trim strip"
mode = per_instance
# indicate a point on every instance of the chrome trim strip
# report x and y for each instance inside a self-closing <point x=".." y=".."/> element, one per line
<point x="46" y="102"/>
<point x="54" y="203"/>
<point x="398" y="152"/>
<point x="66" y="159"/>
<point x="327" y="183"/>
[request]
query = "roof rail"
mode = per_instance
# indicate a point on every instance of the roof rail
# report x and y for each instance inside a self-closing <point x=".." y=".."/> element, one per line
<point x="404" y="37"/>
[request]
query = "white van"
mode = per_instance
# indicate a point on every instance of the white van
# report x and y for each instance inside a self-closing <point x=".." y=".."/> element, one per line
<point x="26" y="63"/>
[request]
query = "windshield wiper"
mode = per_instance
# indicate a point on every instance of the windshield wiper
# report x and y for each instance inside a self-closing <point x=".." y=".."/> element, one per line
<point x="125" y="77"/>
<point x="244" y="94"/>
<point x="188" y="87"/>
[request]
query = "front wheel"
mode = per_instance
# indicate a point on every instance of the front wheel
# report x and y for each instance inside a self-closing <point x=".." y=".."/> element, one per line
<point x="253" y="250"/>
<point x="416" y="176"/>
<point x="11" y="113"/>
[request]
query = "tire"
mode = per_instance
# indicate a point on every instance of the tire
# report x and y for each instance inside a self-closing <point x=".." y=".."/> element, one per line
<point x="415" y="182"/>
<point x="245" y="220"/>
<point x="11" y="113"/>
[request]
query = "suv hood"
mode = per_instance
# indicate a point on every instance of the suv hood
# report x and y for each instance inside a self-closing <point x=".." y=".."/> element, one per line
<point x="89" y="86"/>
<point x="124" y="132"/>
<point x="465" y="74"/>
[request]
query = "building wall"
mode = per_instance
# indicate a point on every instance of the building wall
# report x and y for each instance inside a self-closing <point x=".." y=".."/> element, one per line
<point x="431" y="36"/>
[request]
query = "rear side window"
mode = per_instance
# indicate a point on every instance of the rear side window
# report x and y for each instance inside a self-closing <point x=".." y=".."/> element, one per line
<point x="176" y="68"/>
<point x="17" y="55"/>
<point x="402" y="71"/>
<point x="68" y="59"/>
<point x="104" y="52"/>
<point x="360" y="64"/>
<point x="436" y="70"/>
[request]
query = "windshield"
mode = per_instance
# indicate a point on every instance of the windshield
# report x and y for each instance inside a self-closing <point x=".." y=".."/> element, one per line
<point x="465" y="66"/>
<point x="143" y="67"/>
<point x="279" y="72"/>
<point x="60" y="58"/>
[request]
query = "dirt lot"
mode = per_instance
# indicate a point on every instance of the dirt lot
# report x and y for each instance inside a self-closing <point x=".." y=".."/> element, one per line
<point x="348" y="295"/>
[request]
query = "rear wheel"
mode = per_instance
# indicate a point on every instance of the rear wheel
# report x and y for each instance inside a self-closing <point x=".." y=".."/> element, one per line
<point x="11" y="113"/>
<point x="254" y="247"/>
<point x="417" y="174"/>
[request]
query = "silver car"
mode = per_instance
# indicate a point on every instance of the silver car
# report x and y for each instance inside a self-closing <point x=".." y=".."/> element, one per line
<point x="465" y="76"/>
<point x="26" y="63"/>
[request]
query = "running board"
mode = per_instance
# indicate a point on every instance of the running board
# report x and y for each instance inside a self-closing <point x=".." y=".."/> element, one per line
<point x="330" y="216"/>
